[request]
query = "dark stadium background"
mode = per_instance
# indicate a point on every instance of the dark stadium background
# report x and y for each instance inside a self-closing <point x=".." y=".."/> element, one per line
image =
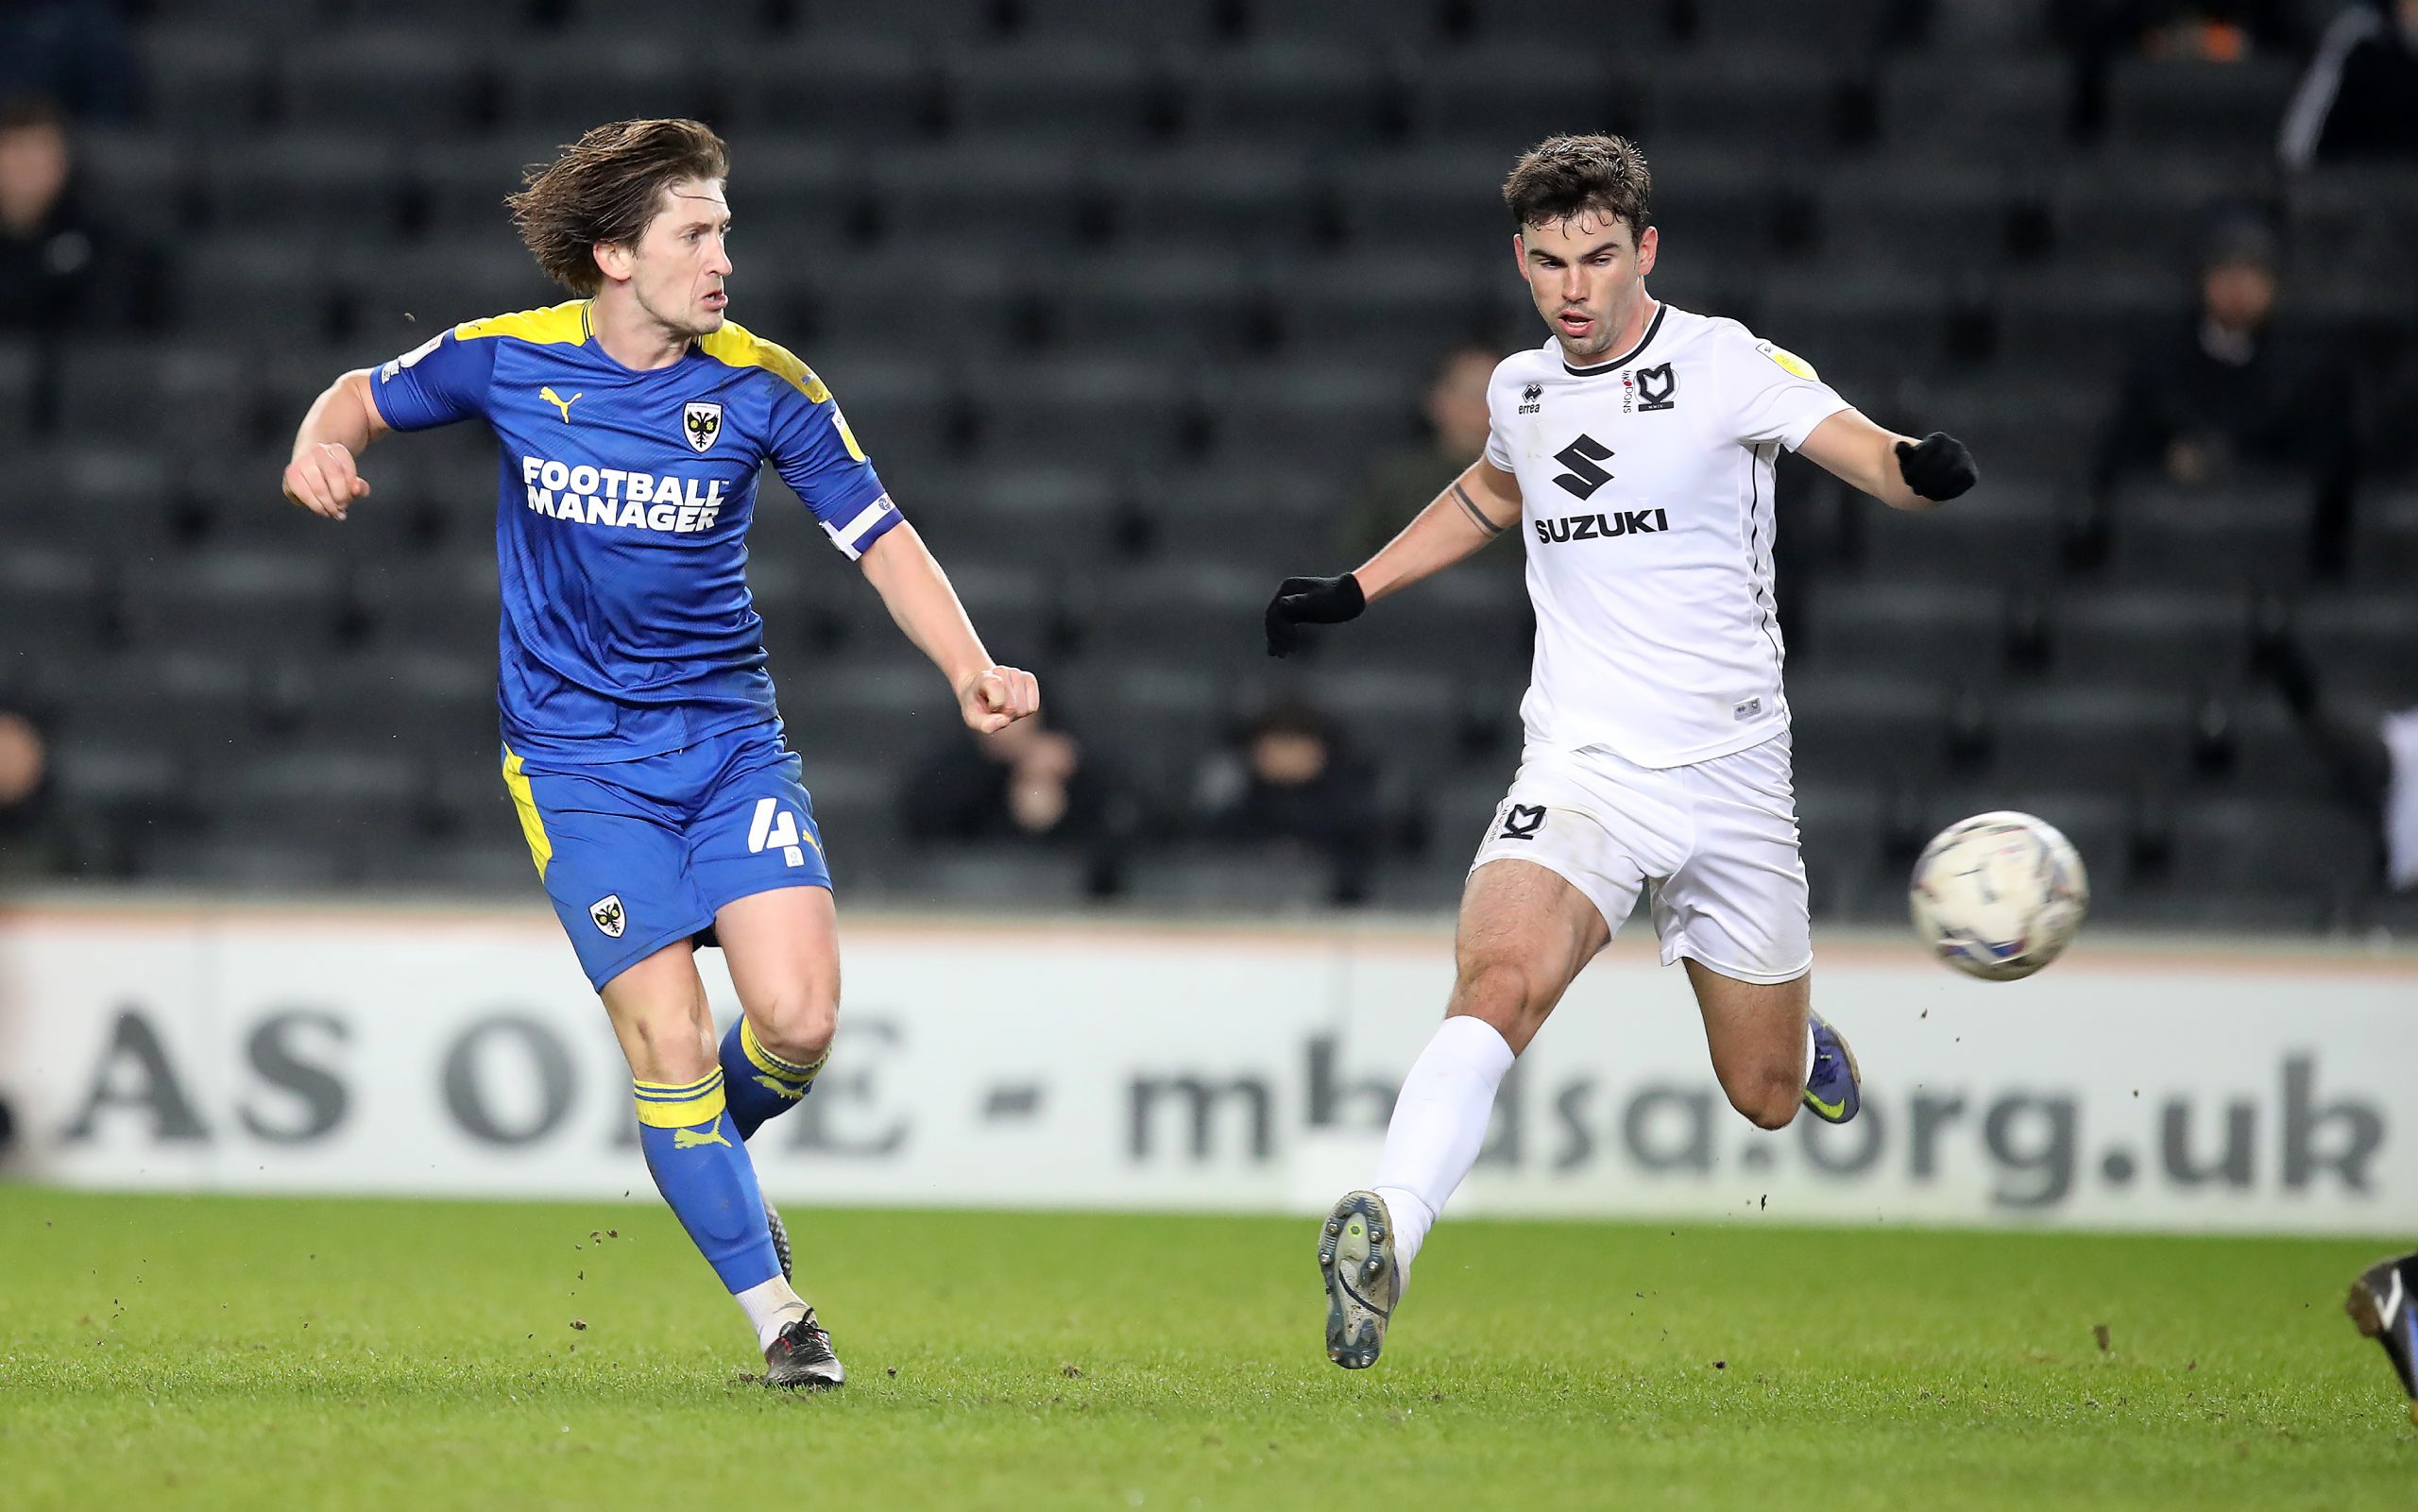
<point x="1130" y="302"/>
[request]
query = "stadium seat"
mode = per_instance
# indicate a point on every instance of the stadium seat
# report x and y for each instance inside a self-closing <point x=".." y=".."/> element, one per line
<point x="257" y="600"/>
<point x="982" y="877"/>
<point x="449" y="603"/>
<point x="1774" y="106"/>
<point x="2161" y="640"/>
<point x="1171" y="23"/>
<point x="1193" y="306"/>
<point x="1917" y="629"/>
<point x="861" y="90"/>
<point x="2229" y="112"/>
<point x="2001" y="533"/>
<point x="1244" y="202"/>
<point x="1865" y="723"/>
<point x="189" y="395"/>
<point x="2078" y="734"/>
<point x="51" y="611"/>
<point x="1374" y="25"/>
<point x="325" y="190"/>
<point x="2366" y="645"/>
<point x="1333" y="94"/>
<point x="1028" y="200"/>
<point x="141" y="180"/>
<point x="1914" y="221"/>
<point x="407" y="295"/>
<point x="1095" y="412"/>
<point x="1301" y="412"/>
<point x="795" y="201"/>
<point x="1944" y="108"/>
<point x="1443" y="203"/>
<point x="2254" y="532"/>
<point x="1056" y="90"/>
<point x="1400" y="311"/>
<point x="924" y="25"/>
<point x="561" y="86"/>
<point x="885" y="309"/>
<point x="201" y="706"/>
<point x="1510" y="97"/>
<point x="1846" y="31"/>
<point x="2385" y="553"/>
<point x="205" y="81"/>
<point x="1253" y="880"/>
<point x="421" y="83"/>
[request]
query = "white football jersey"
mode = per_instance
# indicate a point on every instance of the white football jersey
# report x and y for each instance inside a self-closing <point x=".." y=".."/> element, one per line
<point x="1645" y="487"/>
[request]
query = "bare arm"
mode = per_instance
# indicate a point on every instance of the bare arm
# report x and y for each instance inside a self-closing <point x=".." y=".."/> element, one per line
<point x="1879" y="462"/>
<point x="918" y="595"/>
<point x="1479" y="505"/>
<point x="322" y="476"/>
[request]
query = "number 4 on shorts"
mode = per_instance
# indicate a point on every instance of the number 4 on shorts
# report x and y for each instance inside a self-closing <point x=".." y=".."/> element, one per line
<point x="774" y="827"/>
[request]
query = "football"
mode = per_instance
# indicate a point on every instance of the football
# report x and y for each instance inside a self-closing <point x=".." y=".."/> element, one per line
<point x="1999" y="895"/>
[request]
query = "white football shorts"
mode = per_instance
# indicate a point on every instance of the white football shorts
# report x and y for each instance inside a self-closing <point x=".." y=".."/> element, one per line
<point x="1716" y="840"/>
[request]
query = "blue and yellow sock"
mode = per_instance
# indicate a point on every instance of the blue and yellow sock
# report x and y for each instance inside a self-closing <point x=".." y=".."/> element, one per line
<point x="761" y="1084"/>
<point x="700" y="1165"/>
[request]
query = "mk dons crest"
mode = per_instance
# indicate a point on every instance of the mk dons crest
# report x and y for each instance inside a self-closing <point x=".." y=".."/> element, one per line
<point x="701" y="423"/>
<point x="607" y="913"/>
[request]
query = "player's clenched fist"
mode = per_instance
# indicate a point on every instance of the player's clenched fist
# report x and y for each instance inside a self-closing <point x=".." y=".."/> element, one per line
<point x="1938" y="468"/>
<point x="1310" y="601"/>
<point x="996" y="697"/>
<point x="322" y="480"/>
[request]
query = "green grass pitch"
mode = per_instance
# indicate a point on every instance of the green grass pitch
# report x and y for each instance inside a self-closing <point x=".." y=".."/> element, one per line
<point x="241" y="1352"/>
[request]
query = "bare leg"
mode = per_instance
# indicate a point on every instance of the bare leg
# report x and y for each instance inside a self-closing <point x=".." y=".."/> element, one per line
<point x="1757" y="1034"/>
<point x="1525" y="935"/>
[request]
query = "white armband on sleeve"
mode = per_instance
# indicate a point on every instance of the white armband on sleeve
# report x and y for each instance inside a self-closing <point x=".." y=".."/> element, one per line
<point x="868" y="526"/>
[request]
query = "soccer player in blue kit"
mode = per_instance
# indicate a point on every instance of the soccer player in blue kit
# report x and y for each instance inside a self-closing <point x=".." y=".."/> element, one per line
<point x="641" y="744"/>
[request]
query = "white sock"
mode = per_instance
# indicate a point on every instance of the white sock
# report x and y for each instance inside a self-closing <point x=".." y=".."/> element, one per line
<point x="1437" y="1128"/>
<point x="771" y="1306"/>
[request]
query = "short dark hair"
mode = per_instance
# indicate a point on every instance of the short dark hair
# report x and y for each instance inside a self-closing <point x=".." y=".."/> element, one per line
<point x="1562" y="177"/>
<point x="604" y="188"/>
<point x="28" y="112"/>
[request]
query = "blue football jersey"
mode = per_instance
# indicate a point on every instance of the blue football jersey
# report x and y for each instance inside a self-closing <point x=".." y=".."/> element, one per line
<point x="621" y="532"/>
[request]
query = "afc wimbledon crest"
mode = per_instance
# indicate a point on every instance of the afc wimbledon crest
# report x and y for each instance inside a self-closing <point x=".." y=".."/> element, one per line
<point x="607" y="913"/>
<point x="701" y="423"/>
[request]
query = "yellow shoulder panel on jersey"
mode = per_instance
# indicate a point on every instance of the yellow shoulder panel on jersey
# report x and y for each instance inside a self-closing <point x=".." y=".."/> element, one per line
<point x="1788" y="361"/>
<point x="556" y="326"/>
<point x="738" y="347"/>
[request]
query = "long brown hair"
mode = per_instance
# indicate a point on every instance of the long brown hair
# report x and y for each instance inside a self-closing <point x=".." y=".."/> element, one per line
<point x="606" y="187"/>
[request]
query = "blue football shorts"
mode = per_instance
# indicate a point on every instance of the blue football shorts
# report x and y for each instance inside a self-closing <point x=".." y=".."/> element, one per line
<point x="637" y="854"/>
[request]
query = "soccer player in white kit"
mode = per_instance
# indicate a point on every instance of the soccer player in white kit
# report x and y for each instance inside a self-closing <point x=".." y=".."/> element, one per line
<point x="1633" y="452"/>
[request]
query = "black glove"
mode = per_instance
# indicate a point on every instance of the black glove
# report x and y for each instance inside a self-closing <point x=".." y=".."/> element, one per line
<point x="1310" y="601"/>
<point x="1938" y="468"/>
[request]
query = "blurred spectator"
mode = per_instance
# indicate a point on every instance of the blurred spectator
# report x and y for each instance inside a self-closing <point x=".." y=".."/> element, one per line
<point x="1034" y="782"/>
<point x="72" y="51"/>
<point x="60" y="265"/>
<point x="2369" y="756"/>
<point x="2096" y="32"/>
<point x="1295" y="782"/>
<point x="1399" y="485"/>
<point x="2358" y="101"/>
<point x="2226" y="388"/>
<point x="27" y="848"/>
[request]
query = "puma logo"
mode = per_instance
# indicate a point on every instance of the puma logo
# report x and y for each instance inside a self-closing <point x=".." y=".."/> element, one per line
<point x="562" y="404"/>
<point x="782" y="1088"/>
<point x="694" y="1138"/>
